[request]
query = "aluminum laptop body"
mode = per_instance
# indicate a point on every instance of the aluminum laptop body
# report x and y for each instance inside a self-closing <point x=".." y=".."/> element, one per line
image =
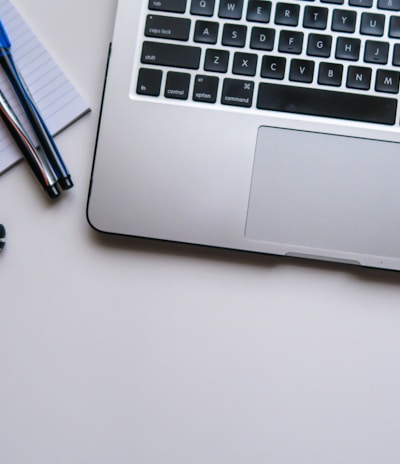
<point x="253" y="125"/>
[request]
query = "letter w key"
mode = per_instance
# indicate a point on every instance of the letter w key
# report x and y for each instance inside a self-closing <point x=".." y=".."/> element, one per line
<point x="231" y="9"/>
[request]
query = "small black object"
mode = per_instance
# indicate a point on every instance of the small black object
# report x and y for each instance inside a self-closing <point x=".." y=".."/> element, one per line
<point x="2" y="236"/>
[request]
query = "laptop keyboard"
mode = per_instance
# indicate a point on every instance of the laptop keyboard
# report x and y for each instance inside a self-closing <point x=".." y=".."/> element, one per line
<point x="329" y="58"/>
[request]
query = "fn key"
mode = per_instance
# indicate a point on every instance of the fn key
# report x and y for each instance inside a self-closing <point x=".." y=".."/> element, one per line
<point x="149" y="82"/>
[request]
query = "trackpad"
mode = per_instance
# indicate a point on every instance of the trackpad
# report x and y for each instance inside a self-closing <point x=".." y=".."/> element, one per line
<point x="325" y="191"/>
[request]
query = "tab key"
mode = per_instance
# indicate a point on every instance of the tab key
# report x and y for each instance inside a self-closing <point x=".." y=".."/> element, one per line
<point x="172" y="6"/>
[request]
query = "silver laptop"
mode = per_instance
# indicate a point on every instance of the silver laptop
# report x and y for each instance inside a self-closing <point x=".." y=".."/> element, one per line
<point x="255" y="125"/>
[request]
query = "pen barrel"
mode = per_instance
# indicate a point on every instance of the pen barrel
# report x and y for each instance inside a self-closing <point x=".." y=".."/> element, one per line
<point x="40" y="167"/>
<point x="42" y="132"/>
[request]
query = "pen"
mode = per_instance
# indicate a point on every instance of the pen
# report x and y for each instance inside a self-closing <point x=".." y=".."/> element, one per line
<point x="2" y="236"/>
<point x="39" y="165"/>
<point x="43" y="134"/>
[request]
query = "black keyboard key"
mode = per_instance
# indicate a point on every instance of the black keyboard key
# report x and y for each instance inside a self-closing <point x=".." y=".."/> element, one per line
<point x="273" y="67"/>
<point x="338" y="2"/>
<point x="396" y="55"/>
<point x="394" y="27"/>
<point x="330" y="74"/>
<point x="177" y="85"/>
<point x="287" y="14"/>
<point x="348" y="49"/>
<point x="262" y="38"/>
<point x="165" y="27"/>
<point x="216" y="60"/>
<point x="393" y="5"/>
<point x="387" y="81"/>
<point x="344" y="21"/>
<point x="376" y="52"/>
<point x="234" y="35"/>
<point x="315" y="17"/>
<point x="149" y="82"/>
<point x="362" y="3"/>
<point x="230" y="9"/>
<point x="372" y="24"/>
<point x="202" y="7"/>
<point x="319" y="45"/>
<point x="327" y="103"/>
<point x="259" y="11"/>
<point x="301" y="71"/>
<point x="178" y="56"/>
<point x="358" y="78"/>
<point x="244" y="64"/>
<point x="206" y="32"/>
<point x="205" y="89"/>
<point x="173" y="6"/>
<point x="237" y="93"/>
<point x="291" y="42"/>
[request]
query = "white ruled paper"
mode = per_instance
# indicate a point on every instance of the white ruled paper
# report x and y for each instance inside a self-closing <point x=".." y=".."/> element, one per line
<point x="58" y="101"/>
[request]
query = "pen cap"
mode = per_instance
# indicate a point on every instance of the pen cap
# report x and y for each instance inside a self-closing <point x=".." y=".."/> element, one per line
<point x="2" y="236"/>
<point x="4" y="40"/>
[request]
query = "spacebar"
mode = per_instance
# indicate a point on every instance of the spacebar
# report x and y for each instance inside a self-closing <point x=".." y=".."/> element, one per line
<point x="327" y="103"/>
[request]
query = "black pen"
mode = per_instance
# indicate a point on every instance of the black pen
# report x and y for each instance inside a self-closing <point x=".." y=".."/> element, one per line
<point x="43" y="134"/>
<point x="39" y="164"/>
<point x="2" y="236"/>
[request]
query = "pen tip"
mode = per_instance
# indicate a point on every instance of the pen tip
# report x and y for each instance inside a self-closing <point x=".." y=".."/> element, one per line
<point x="66" y="183"/>
<point x="52" y="191"/>
<point x="2" y="236"/>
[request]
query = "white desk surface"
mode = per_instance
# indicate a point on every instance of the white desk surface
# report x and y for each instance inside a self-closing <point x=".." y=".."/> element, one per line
<point x="93" y="331"/>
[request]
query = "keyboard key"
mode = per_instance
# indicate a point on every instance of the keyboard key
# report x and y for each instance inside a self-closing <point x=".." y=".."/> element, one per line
<point x="262" y="38"/>
<point x="287" y="14"/>
<point x="173" y="6"/>
<point x="315" y="17"/>
<point x="376" y="52"/>
<point x="319" y="45"/>
<point x="149" y="82"/>
<point x="362" y="3"/>
<point x="387" y="81"/>
<point x="330" y="74"/>
<point x="177" y="85"/>
<point x="178" y="56"/>
<point x="165" y="27"/>
<point x="216" y="61"/>
<point x="301" y="71"/>
<point x="393" y="5"/>
<point x="244" y="64"/>
<point x="396" y="55"/>
<point x="237" y="93"/>
<point x="372" y="24"/>
<point x="344" y="21"/>
<point x="234" y="35"/>
<point x="394" y="27"/>
<point x="206" y="32"/>
<point x="348" y="49"/>
<point x="273" y="67"/>
<point x="291" y="42"/>
<point x="205" y="89"/>
<point x="327" y="103"/>
<point x="358" y="78"/>
<point x="338" y="2"/>
<point x="202" y="7"/>
<point x="230" y="9"/>
<point x="259" y="11"/>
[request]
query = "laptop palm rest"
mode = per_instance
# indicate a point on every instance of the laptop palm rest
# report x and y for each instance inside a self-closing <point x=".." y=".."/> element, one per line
<point x="325" y="192"/>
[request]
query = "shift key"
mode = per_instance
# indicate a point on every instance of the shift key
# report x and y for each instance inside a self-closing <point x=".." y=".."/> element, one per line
<point x="177" y="56"/>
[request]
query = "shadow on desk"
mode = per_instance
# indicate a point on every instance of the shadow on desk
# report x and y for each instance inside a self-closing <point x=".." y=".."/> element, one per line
<point x="239" y="258"/>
